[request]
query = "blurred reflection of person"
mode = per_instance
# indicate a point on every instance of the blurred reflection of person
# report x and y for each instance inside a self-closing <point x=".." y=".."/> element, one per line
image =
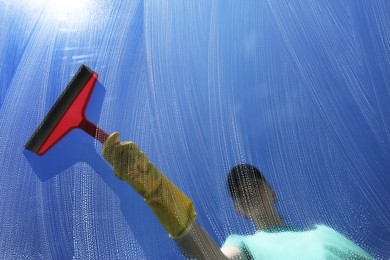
<point x="253" y="198"/>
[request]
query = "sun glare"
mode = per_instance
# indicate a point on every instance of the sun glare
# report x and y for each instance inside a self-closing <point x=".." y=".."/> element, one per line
<point x="65" y="13"/>
<point x="70" y="11"/>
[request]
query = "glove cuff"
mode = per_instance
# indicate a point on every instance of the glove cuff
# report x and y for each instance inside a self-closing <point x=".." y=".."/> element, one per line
<point x="173" y="208"/>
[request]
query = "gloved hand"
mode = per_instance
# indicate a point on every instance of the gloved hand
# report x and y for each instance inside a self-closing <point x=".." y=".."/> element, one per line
<point x="172" y="207"/>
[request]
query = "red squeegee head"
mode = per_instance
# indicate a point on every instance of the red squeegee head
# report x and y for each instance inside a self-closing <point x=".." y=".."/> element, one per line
<point x="67" y="114"/>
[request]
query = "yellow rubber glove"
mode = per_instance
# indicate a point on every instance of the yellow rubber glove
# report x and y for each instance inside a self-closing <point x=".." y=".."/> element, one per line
<point x="172" y="207"/>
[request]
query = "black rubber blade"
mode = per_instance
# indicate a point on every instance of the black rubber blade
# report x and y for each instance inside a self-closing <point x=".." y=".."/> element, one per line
<point x="62" y="104"/>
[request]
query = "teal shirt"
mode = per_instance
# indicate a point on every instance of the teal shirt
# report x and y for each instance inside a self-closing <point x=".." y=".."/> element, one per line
<point x="320" y="242"/>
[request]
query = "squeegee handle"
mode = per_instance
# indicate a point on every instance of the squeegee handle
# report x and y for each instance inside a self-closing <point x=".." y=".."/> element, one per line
<point x="94" y="131"/>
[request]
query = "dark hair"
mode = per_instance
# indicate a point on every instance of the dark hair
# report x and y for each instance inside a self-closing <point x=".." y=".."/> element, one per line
<point x="240" y="177"/>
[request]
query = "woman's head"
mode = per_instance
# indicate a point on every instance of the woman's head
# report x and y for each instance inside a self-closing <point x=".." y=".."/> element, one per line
<point x="250" y="191"/>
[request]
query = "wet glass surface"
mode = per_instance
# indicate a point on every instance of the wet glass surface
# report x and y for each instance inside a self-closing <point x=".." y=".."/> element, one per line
<point x="299" y="89"/>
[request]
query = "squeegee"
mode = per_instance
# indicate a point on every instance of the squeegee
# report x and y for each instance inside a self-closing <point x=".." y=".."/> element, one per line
<point x="68" y="113"/>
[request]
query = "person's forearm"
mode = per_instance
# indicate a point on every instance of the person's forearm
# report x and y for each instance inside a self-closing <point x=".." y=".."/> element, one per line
<point x="196" y="243"/>
<point x="172" y="207"/>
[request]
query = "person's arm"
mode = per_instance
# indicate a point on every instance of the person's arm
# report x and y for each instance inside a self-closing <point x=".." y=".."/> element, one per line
<point x="196" y="243"/>
<point x="171" y="206"/>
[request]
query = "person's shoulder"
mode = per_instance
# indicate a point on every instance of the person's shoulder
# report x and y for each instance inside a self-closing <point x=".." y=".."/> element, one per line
<point x="234" y="240"/>
<point x="232" y="252"/>
<point x="234" y="246"/>
<point x="326" y="228"/>
<point x="339" y="241"/>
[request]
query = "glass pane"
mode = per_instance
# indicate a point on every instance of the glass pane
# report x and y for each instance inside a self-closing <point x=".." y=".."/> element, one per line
<point x="297" y="89"/>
